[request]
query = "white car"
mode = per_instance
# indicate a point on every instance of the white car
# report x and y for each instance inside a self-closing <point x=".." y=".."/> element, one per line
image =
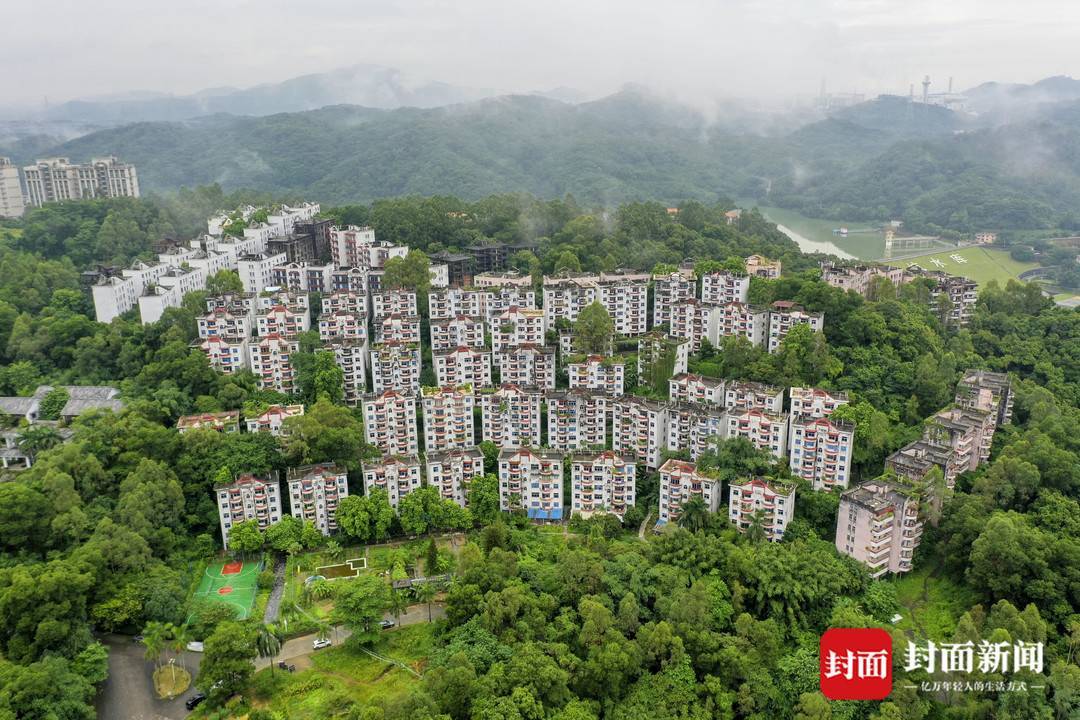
<point x="320" y="644"/>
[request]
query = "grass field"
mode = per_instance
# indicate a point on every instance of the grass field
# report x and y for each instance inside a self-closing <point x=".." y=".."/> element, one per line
<point x="234" y="584"/>
<point x="982" y="265"/>
<point x="932" y="603"/>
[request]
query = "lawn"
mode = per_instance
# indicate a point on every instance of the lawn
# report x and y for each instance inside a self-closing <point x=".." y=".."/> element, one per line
<point x="932" y="603"/>
<point x="341" y="675"/>
<point x="982" y="265"/>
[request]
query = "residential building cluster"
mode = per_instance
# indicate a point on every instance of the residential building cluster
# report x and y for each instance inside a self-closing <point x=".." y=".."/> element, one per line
<point x="952" y="296"/>
<point x="58" y="179"/>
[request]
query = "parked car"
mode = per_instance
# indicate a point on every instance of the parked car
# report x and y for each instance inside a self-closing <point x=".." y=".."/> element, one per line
<point x="137" y="639"/>
<point x="194" y="701"/>
<point x="387" y="624"/>
<point x="320" y="644"/>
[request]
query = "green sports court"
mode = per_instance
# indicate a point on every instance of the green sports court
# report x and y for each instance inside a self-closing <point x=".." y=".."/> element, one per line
<point x="233" y="583"/>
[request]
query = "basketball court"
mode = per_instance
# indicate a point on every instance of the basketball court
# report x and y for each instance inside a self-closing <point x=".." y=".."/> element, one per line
<point x="234" y="583"/>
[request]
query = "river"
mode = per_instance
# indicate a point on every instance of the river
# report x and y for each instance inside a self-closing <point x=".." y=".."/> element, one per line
<point x="816" y="235"/>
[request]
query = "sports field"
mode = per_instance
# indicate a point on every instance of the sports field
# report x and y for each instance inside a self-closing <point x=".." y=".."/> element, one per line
<point x="974" y="263"/>
<point x="233" y="583"/>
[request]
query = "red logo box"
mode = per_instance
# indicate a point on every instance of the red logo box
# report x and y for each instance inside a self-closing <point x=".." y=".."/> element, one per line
<point x="856" y="664"/>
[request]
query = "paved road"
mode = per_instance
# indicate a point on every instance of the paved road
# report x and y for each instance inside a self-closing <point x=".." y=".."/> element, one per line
<point x="300" y="647"/>
<point x="273" y="603"/>
<point x="129" y="694"/>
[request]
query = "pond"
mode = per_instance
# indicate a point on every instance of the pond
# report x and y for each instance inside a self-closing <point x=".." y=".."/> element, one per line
<point x="863" y="241"/>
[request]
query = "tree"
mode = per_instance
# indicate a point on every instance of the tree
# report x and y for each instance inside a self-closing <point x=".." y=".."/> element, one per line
<point x="325" y="433"/>
<point x="694" y="514"/>
<point x="359" y="605"/>
<point x="35" y="439"/>
<point x="594" y="329"/>
<point x="53" y="403"/>
<point x="425" y="593"/>
<point x="412" y="272"/>
<point x="245" y="537"/>
<point x="268" y="643"/>
<point x="224" y="281"/>
<point x="285" y="533"/>
<point x="155" y="638"/>
<point x="227" y="660"/>
<point x="366" y="517"/>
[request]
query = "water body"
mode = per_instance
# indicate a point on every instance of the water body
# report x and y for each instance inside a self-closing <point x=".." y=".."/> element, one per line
<point x="816" y="235"/>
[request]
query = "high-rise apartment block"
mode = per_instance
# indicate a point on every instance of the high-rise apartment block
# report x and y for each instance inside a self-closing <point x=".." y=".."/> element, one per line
<point x="455" y="332"/>
<point x="769" y="503"/>
<point x="878" y="524"/>
<point x="58" y="179"/>
<point x="248" y="497"/>
<point x="639" y="428"/>
<point x="679" y="482"/>
<point x="596" y="372"/>
<point x="784" y="315"/>
<point x="451" y="471"/>
<point x="671" y="289"/>
<point x="398" y="475"/>
<point x="390" y="422"/>
<point x="531" y="480"/>
<point x="395" y="366"/>
<point x="527" y="365"/>
<point x="511" y="416"/>
<point x="577" y="419"/>
<point x="821" y="451"/>
<point x="463" y="366"/>
<point x="815" y="403"/>
<point x="448" y="418"/>
<point x="602" y="482"/>
<point x="314" y="494"/>
<point x="722" y="287"/>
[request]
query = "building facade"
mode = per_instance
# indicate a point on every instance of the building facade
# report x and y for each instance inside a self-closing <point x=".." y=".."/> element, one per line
<point x="602" y="482"/>
<point x="314" y="494"/>
<point x="769" y="503"/>
<point x="248" y="497"/>
<point x="511" y="416"/>
<point x="448" y="418"/>
<point x="532" y="480"/>
<point x="390" y="422"/>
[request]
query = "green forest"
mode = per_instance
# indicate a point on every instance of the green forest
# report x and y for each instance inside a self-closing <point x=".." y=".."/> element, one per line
<point x="109" y="530"/>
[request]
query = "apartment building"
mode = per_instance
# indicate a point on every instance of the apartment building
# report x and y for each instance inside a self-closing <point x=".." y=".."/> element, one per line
<point x="770" y="503"/>
<point x="226" y="356"/>
<point x="623" y="295"/>
<point x="455" y="332"/>
<point x="913" y="461"/>
<point x="227" y="422"/>
<point x="343" y="325"/>
<point x="660" y="357"/>
<point x="354" y="246"/>
<point x="448" y="417"/>
<point x="315" y="492"/>
<point x="821" y="450"/>
<point x="463" y="366"/>
<point x="671" y="289"/>
<point x="679" y="482"/>
<point x="741" y="320"/>
<point x="282" y="320"/>
<point x="271" y="362"/>
<point x="694" y="428"/>
<point x="351" y="355"/>
<point x="531" y="480"/>
<point x="397" y="327"/>
<point x="763" y="267"/>
<point x="527" y="365"/>
<point x="723" y="287"/>
<point x="487" y="303"/>
<point x="509" y="278"/>
<point x="953" y="297"/>
<point x="398" y="475"/>
<point x="784" y="315"/>
<point x="350" y="279"/>
<point x="58" y="179"/>
<point x="248" y="497"/>
<point x="224" y="324"/>
<point x="303" y="277"/>
<point x="765" y="430"/>
<point x="601" y="482"/>
<point x="694" y="321"/>
<point x="169" y="291"/>
<point x="968" y="432"/>
<point x="392" y="302"/>
<point x="390" y="422"/>
<point x="272" y="419"/>
<point x="989" y="391"/>
<point x="12" y="203"/>
<point x="518" y="326"/>
<point x="511" y="416"/>
<point x="639" y="428"/>
<point x="858" y="278"/>
<point x="256" y="270"/>
<point x="347" y="300"/>
<point x="878" y="524"/>
<point x="395" y="366"/>
<point x="596" y="372"/>
<point x="745" y="395"/>
<point x="577" y="419"/>
<point x="693" y="388"/>
<point x="815" y="403"/>
<point x="451" y="472"/>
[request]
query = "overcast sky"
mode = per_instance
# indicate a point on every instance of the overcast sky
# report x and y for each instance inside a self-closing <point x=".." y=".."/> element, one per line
<point x="751" y="48"/>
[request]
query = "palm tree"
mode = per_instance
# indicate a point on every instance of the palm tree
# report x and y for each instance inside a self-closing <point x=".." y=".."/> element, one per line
<point x="333" y="550"/>
<point x="181" y="636"/>
<point x="154" y="637"/>
<point x="397" y="604"/>
<point x="37" y="438"/>
<point x="694" y="515"/>
<point x="268" y="643"/>
<point x="425" y="593"/>
<point x="755" y="531"/>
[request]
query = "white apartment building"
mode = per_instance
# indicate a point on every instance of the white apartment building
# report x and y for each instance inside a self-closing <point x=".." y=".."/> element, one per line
<point x="452" y="471"/>
<point x="527" y="366"/>
<point x="967" y="432"/>
<point x="878" y="524"/>
<point x="693" y="388"/>
<point x="723" y="287"/>
<point x="395" y="366"/>
<point x="596" y="372"/>
<point x="271" y="361"/>
<point x="343" y="325"/>
<point x="624" y="295"/>
<point x="815" y="403"/>
<point x="455" y="332"/>
<point x="399" y="475"/>
<point x="256" y="270"/>
<point x="857" y="278"/>
<point x="351" y="356"/>
<point x="402" y="328"/>
<point x="463" y="366"/>
<point x="639" y="428"/>
<point x="770" y="502"/>
<point x="448" y="418"/>
<point x="222" y="323"/>
<point x="741" y="320"/>
<point x="670" y="289"/>
<point x="346" y="300"/>
<point x="487" y="303"/>
<point x="303" y="277"/>
<point x="511" y="416"/>
<point x="350" y="279"/>
<point x="390" y="422"/>
<point x="765" y="430"/>
<point x="393" y="302"/>
<point x="169" y="291"/>
<point x="531" y="480"/>
<point x="509" y="278"/>
<point x="249" y="497"/>
<point x="784" y="315"/>
<point x="821" y="451"/>
<point x="660" y="357"/>
<point x="226" y="356"/>
<point x="602" y="482"/>
<point x="694" y="321"/>
<point x="356" y="247"/>
<point x="314" y="494"/>
<point x="440" y="275"/>
<point x="282" y="320"/>
<point x="745" y="395"/>
<point x="518" y="326"/>
<point x="679" y="482"/>
<point x="58" y="179"/>
<point x="577" y="420"/>
<point x="694" y="428"/>
<point x="272" y="419"/>
<point x="12" y="203"/>
<point x="763" y="267"/>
